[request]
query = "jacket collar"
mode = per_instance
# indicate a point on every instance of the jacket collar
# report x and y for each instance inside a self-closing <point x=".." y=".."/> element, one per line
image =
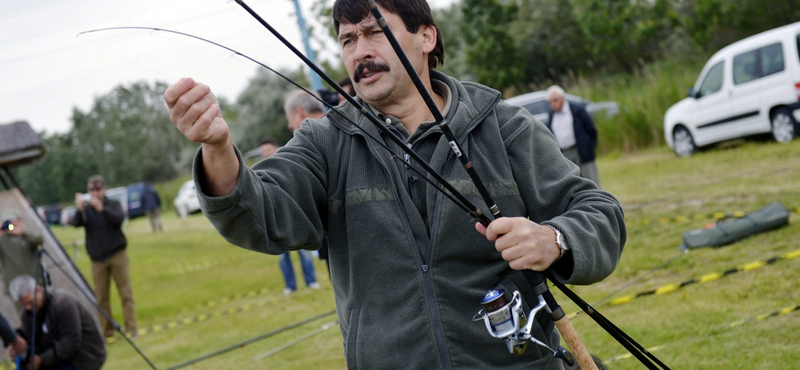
<point x="470" y="103"/>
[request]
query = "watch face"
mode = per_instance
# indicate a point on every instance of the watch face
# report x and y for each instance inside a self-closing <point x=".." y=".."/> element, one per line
<point x="561" y="242"/>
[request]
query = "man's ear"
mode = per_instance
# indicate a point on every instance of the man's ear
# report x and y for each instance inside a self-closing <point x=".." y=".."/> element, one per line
<point x="429" y="34"/>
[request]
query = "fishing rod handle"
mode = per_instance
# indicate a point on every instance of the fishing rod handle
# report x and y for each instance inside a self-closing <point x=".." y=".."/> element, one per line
<point x="575" y="344"/>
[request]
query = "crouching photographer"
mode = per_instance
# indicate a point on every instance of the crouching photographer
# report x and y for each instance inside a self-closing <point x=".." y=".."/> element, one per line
<point x="66" y="335"/>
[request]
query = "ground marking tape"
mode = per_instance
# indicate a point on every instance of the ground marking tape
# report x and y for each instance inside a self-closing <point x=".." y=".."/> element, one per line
<point x="734" y="324"/>
<point x="669" y="288"/>
<point x="706" y="278"/>
<point x="198" y="318"/>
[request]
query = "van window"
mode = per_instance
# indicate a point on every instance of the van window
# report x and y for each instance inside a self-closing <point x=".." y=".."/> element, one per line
<point x="744" y="67"/>
<point x="758" y="63"/>
<point x="771" y="59"/>
<point x="713" y="80"/>
<point x="798" y="47"/>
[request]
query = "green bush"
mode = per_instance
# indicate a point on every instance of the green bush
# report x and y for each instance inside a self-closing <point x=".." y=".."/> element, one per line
<point x="643" y="98"/>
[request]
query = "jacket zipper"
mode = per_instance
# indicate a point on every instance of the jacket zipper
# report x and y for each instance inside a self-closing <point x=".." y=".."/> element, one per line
<point x="426" y="277"/>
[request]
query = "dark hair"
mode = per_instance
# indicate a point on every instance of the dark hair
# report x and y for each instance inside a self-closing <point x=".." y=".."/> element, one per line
<point x="414" y="13"/>
<point x="96" y="179"/>
<point x="268" y="141"/>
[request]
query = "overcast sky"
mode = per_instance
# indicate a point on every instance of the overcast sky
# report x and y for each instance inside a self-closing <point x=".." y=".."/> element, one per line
<point x="46" y="69"/>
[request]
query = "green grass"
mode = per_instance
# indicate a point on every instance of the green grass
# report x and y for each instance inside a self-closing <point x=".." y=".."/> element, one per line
<point x="176" y="273"/>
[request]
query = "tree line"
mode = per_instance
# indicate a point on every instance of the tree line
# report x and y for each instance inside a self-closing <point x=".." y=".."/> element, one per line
<point x="520" y="45"/>
<point x="514" y="46"/>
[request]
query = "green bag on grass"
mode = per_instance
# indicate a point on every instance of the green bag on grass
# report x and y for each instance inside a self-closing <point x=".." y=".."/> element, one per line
<point x="730" y="230"/>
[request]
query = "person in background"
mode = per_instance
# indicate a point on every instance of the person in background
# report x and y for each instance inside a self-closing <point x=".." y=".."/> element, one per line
<point x="268" y="147"/>
<point x="295" y="110"/>
<point x="347" y="85"/>
<point x="102" y="218"/>
<point x="18" y="245"/>
<point x="152" y="204"/>
<point x="574" y="131"/>
<point x="300" y="106"/>
<point x="67" y="338"/>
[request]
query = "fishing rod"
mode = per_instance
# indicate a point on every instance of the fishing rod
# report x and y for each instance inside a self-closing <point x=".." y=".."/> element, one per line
<point x="252" y="340"/>
<point x="443" y="186"/>
<point x="371" y="117"/>
<point x="457" y="197"/>
<point x="536" y="279"/>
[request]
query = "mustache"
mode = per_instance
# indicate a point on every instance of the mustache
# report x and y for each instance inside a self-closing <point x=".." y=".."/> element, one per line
<point x="372" y="66"/>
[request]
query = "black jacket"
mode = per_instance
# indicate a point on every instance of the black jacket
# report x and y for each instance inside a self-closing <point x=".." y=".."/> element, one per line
<point x="72" y="333"/>
<point x="585" y="131"/>
<point x="103" y="229"/>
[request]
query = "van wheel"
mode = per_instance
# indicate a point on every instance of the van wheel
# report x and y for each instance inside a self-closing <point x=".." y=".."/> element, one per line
<point x="682" y="142"/>
<point x="782" y="125"/>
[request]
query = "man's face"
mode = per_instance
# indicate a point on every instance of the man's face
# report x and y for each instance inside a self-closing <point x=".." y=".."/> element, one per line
<point x="97" y="190"/>
<point x="556" y="102"/>
<point x="267" y="150"/>
<point x="376" y="71"/>
<point x="26" y="301"/>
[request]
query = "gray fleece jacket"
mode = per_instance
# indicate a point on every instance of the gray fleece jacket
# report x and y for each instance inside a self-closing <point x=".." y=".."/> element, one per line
<point x="406" y="292"/>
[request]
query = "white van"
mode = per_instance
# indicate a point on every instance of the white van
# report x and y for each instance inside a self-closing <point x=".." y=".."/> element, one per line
<point x="749" y="87"/>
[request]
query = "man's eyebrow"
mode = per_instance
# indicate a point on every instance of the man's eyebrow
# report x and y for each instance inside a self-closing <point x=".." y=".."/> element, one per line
<point x="345" y="35"/>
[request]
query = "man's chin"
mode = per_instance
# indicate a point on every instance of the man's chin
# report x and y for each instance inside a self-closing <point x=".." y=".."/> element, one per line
<point x="373" y="94"/>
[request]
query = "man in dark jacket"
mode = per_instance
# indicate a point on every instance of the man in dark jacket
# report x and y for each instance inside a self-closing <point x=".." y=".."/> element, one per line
<point x="575" y="132"/>
<point x="408" y="268"/>
<point x="152" y="204"/>
<point x="66" y="333"/>
<point x="106" y="244"/>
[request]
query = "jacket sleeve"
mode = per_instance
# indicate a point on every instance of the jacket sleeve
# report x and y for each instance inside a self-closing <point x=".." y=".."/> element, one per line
<point x="6" y="333"/>
<point x="588" y="125"/>
<point x="67" y="320"/>
<point x="78" y="219"/>
<point x="554" y="193"/>
<point x="276" y="205"/>
<point x="33" y="237"/>
<point x="112" y="211"/>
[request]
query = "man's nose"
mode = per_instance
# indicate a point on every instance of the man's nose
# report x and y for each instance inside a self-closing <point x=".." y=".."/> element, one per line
<point x="364" y="50"/>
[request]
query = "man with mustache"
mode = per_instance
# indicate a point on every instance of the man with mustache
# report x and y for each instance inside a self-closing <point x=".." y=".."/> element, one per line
<point x="408" y="268"/>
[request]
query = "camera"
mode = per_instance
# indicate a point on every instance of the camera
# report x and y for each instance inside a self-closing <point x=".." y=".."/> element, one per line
<point x="7" y="226"/>
<point x="329" y="96"/>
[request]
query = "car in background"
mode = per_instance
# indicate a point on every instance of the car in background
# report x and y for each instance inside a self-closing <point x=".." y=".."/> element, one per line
<point x="186" y="201"/>
<point x="67" y="214"/>
<point x="119" y="194"/>
<point x="747" y="88"/>
<point x="135" y="204"/>
<point x="536" y="103"/>
<point x="51" y="214"/>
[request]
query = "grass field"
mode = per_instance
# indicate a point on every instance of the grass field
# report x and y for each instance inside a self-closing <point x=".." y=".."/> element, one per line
<point x="205" y="295"/>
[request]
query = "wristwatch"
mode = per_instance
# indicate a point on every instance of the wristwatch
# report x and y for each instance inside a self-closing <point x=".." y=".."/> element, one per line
<point x="561" y="242"/>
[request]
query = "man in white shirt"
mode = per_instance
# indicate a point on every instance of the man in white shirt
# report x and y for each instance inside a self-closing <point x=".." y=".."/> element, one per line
<point x="575" y="132"/>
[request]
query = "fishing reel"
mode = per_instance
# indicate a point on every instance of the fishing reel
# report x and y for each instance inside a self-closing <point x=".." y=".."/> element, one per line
<point x="507" y="321"/>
